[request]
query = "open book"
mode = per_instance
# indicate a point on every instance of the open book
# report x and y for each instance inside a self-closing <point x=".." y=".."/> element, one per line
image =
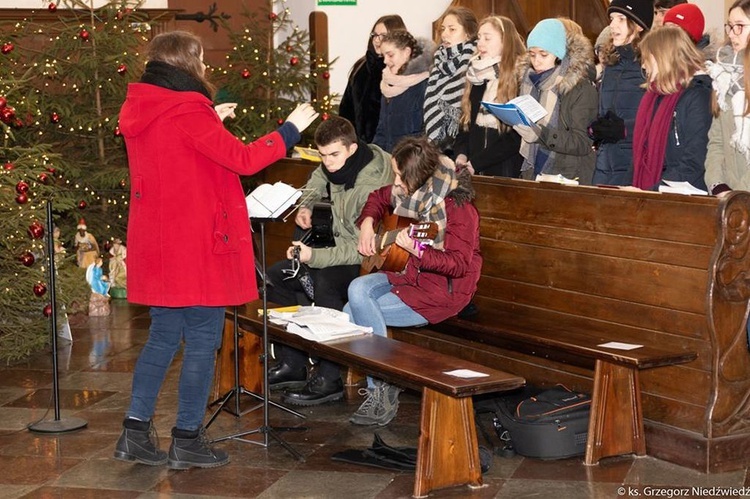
<point x="319" y="324"/>
<point x="676" y="187"/>
<point x="523" y="110"/>
<point x="271" y="200"/>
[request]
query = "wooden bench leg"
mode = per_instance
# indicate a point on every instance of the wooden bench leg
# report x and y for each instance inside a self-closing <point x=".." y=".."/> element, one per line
<point x="448" y="452"/>
<point x="616" y="424"/>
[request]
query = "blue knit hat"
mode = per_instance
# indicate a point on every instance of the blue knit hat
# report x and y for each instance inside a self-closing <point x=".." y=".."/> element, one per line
<point x="549" y="35"/>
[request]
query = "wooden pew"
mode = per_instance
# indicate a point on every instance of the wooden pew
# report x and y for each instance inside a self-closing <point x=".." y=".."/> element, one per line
<point x="447" y="453"/>
<point x="567" y="268"/>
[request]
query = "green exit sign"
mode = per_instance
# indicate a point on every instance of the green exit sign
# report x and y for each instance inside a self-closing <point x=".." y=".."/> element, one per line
<point x="337" y="2"/>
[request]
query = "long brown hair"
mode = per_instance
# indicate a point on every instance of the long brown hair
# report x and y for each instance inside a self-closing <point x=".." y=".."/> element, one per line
<point x="466" y="18"/>
<point x="676" y="58"/>
<point x="402" y="39"/>
<point x="182" y="50"/>
<point x="391" y="22"/>
<point x="507" y="86"/>
<point x="609" y="55"/>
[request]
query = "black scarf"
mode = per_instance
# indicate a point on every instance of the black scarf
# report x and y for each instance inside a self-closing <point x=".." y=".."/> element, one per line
<point x="347" y="174"/>
<point x="165" y="75"/>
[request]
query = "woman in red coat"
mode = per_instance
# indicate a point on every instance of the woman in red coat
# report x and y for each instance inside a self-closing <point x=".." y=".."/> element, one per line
<point x="439" y="279"/>
<point x="189" y="245"/>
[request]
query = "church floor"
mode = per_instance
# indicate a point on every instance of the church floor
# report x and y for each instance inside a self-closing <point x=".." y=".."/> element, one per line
<point x="95" y="376"/>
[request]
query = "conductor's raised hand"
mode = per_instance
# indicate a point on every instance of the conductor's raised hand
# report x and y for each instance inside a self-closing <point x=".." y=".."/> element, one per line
<point x="304" y="218"/>
<point x="225" y="110"/>
<point x="302" y="116"/>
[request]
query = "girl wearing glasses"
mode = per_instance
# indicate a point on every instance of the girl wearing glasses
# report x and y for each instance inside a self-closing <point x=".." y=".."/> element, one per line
<point x="728" y="158"/>
<point x="671" y="126"/>
<point x="360" y="103"/>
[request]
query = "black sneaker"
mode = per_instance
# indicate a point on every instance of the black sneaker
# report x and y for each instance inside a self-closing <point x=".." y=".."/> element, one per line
<point x="138" y="442"/>
<point x="317" y="391"/>
<point x="191" y="449"/>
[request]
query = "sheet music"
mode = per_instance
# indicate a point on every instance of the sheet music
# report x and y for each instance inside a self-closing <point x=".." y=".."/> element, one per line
<point x="270" y="201"/>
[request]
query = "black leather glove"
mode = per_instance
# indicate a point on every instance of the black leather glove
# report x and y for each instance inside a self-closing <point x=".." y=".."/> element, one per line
<point x="609" y="128"/>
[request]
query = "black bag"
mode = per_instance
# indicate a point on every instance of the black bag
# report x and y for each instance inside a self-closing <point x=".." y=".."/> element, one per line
<point x="536" y="422"/>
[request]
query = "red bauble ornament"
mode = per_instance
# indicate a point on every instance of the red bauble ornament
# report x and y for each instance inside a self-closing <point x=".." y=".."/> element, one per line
<point x="36" y="230"/>
<point x="325" y="116"/>
<point x="22" y="199"/>
<point x="40" y="289"/>
<point x="27" y="259"/>
<point x="8" y="166"/>
<point x="273" y="16"/>
<point x="326" y="75"/>
<point x="107" y="246"/>
<point x="47" y="310"/>
<point x="7" y="48"/>
<point x="22" y="187"/>
<point x="18" y="123"/>
<point x="294" y="61"/>
<point x="43" y="178"/>
<point x="7" y="115"/>
<point x="116" y="132"/>
<point x="245" y="73"/>
<point x="122" y="69"/>
<point x="280" y="121"/>
<point x="289" y="48"/>
<point x="3" y="102"/>
<point x="84" y="34"/>
<point x="82" y="205"/>
<point x="52" y="7"/>
<point x="54" y="117"/>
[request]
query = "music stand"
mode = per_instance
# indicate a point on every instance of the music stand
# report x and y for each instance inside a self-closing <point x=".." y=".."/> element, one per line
<point x="265" y="429"/>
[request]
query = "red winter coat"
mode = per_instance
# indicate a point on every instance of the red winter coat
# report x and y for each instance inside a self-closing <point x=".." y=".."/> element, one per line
<point x="441" y="283"/>
<point x="189" y="241"/>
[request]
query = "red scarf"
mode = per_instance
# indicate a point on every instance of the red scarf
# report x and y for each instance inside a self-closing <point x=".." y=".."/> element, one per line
<point x="650" y="137"/>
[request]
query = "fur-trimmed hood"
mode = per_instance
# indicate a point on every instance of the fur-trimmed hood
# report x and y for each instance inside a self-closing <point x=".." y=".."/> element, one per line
<point x="423" y="62"/>
<point x="464" y="192"/>
<point x="576" y="66"/>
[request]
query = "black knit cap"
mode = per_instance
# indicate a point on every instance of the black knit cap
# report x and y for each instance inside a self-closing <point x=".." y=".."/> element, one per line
<point x="640" y="12"/>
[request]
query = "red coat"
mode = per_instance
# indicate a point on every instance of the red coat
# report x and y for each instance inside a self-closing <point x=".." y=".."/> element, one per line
<point x="424" y="283"/>
<point x="189" y="241"/>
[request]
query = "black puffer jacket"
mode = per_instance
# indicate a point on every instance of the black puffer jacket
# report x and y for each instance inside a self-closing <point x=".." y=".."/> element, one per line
<point x="360" y="103"/>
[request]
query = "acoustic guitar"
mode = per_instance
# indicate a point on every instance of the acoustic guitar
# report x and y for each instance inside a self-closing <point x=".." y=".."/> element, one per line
<point x="391" y="256"/>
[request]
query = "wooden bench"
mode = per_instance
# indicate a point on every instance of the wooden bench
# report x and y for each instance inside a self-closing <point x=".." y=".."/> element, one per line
<point x="447" y="453"/>
<point x="661" y="270"/>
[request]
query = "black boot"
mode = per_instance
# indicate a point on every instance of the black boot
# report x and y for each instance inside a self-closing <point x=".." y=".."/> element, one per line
<point x="135" y="444"/>
<point x="284" y="375"/>
<point x="318" y="390"/>
<point x="192" y="449"/>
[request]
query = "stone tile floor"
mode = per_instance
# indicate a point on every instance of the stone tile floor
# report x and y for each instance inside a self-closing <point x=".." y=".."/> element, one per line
<point x="95" y="374"/>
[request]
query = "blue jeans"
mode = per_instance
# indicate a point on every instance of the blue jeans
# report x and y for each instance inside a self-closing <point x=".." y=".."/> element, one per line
<point x="201" y="329"/>
<point x="371" y="303"/>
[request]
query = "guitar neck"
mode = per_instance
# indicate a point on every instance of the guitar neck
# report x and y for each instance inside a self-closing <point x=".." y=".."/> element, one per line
<point x="386" y="239"/>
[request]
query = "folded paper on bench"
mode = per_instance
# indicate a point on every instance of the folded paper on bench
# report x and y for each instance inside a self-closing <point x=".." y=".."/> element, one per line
<point x="319" y="324"/>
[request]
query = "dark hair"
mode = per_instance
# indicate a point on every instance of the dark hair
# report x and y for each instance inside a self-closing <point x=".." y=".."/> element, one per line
<point x="416" y="159"/>
<point x="608" y="52"/>
<point x="466" y="18"/>
<point x="742" y="4"/>
<point x="402" y="39"/>
<point x="181" y="50"/>
<point x="667" y="4"/>
<point x="392" y="22"/>
<point x="333" y="129"/>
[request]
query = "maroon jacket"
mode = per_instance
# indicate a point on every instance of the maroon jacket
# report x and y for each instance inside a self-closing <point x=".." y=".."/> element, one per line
<point x="442" y="282"/>
<point x="189" y="241"/>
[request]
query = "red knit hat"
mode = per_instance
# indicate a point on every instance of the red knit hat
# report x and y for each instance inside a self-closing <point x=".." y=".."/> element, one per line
<point x="689" y="17"/>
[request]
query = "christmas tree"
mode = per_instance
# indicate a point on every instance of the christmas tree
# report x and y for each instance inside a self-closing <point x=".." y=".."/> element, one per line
<point x="266" y="78"/>
<point x="61" y="86"/>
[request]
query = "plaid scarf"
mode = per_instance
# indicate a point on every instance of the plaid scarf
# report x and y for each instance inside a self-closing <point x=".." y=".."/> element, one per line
<point x="427" y="204"/>
<point x="544" y="91"/>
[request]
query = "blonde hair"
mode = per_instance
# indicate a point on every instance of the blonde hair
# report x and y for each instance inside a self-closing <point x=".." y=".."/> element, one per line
<point x="676" y="58"/>
<point x="746" y="81"/>
<point x="507" y="85"/>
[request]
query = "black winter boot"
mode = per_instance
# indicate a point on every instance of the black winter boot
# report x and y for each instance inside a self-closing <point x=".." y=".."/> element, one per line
<point x="136" y="444"/>
<point x="192" y="449"/>
<point x="318" y="390"/>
